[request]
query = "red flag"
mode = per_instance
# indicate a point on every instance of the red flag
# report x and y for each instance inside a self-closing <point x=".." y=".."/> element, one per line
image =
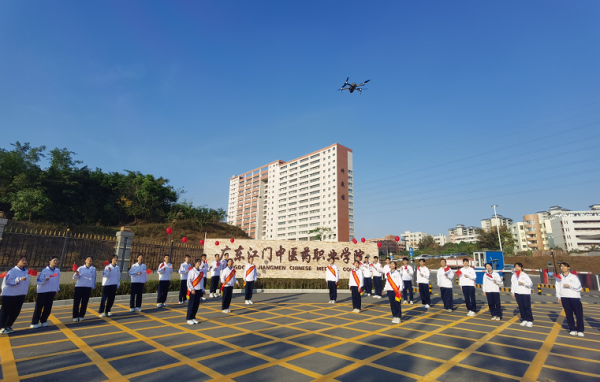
<point x="32" y="272"/>
<point x="2" y="275"/>
<point x="446" y="269"/>
<point x="106" y="263"/>
<point x="557" y="275"/>
<point x="458" y="273"/>
<point x="75" y="267"/>
<point x="148" y="271"/>
<point x="574" y="272"/>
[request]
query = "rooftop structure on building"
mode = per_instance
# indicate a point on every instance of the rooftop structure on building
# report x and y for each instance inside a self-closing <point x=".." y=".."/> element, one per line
<point x="286" y="200"/>
<point x="494" y="221"/>
<point x="462" y="230"/>
<point x="577" y="230"/>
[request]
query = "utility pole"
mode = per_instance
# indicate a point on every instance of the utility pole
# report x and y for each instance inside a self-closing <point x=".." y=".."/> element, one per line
<point x="498" y="226"/>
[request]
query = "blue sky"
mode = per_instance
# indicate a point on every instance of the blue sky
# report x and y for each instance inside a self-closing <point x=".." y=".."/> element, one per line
<point x="471" y="103"/>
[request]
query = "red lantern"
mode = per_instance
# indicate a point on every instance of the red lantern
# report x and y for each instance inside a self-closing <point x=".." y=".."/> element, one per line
<point x="201" y="242"/>
<point x="216" y="243"/>
<point x="397" y="238"/>
<point x="231" y="240"/>
<point x="169" y="230"/>
<point x="354" y="240"/>
<point x="362" y="240"/>
<point x="184" y="239"/>
<point x="378" y="245"/>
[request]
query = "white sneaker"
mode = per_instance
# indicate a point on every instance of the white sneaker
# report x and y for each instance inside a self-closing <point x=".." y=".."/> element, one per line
<point x="529" y="324"/>
<point x="180" y="302"/>
<point x="404" y="302"/>
<point x="76" y="320"/>
<point x="580" y="334"/>
<point x="427" y="306"/>
<point x="422" y="306"/>
<point x="3" y="331"/>
<point x="469" y="314"/>
<point x="132" y="310"/>
<point x="411" y="303"/>
<point x="494" y="318"/>
<point x="138" y="309"/>
<point x="45" y="324"/>
<point x="37" y="326"/>
<point x="394" y="320"/>
<point x="165" y="305"/>
<point x="203" y="298"/>
<point x="573" y="333"/>
<point x="523" y="323"/>
<point x="333" y="301"/>
<point x="159" y="305"/>
<point x="102" y="315"/>
<point x="498" y="318"/>
<point x="250" y="301"/>
<point x="80" y="318"/>
<point x="195" y="321"/>
<point x="246" y="302"/>
<point x="211" y="295"/>
<point x="109" y="314"/>
<point x="190" y="322"/>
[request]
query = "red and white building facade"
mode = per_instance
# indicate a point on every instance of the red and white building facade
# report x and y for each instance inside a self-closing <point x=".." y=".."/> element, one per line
<point x="286" y="200"/>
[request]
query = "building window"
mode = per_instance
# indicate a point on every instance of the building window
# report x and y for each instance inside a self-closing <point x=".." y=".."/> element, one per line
<point x="343" y="197"/>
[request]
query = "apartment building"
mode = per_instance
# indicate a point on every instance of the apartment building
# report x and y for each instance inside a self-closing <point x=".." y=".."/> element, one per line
<point x="462" y="230"/>
<point x="441" y="239"/>
<point x="518" y="231"/>
<point x="412" y="239"/>
<point x="496" y="221"/>
<point x="286" y="200"/>
<point x="577" y="230"/>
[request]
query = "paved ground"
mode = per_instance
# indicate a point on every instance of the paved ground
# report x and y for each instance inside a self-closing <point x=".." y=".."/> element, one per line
<point x="302" y="338"/>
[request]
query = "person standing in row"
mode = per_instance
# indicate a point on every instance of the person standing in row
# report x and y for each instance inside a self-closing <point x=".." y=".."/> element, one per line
<point x="423" y="283"/>
<point x="250" y="275"/>
<point x="164" y="281"/>
<point x="204" y="267"/>
<point x="86" y="282"/>
<point x="445" y="275"/>
<point x="111" y="280"/>
<point x="47" y="286"/>
<point x="215" y="275"/>
<point x="14" y="290"/>
<point x="184" y="269"/>
<point x="466" y="280"/>
<point x="568" y="288"/>
<point x="521" y="286"/>
<point x="377" y="277"/>
<point x="227" y="281"/>
<point x="393" y="288"/>
<point x="356" y="283"/>
<point x="407" y="273"/>
<point x="139" y="277"/>
<point x="367" y="268"/>
<point x="332" y="278"/>
<point x="195" y="290"/>
<point x="491" y="290"/>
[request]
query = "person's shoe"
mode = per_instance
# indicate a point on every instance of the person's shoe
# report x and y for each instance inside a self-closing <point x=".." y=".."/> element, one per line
<point x="427" y="306"/>
<point x="404" y="302"/>
<point x="80" y="318"/>
<point x="212" y="295"/>
<point x="529" y="324"/>
<point x="44" y="324"/>
<point x="203" y="298"/>
<point x="9" y="330"/>
<point x="224" y="311"/>
<point x="159" y="305"/>
<point x="573" y="333"/>
<point x="164" y="305"/>
<point x="109" y="314"/>
<point x="180" y="302"/>
<point x="523" y="323"/>
<point x="246" y="302"/>
<point x="195" y="321"/>
<point x="138" y="309"/>
<point x="333" y="301"/>
<point x="411" y="303"/>
<point x="394" y="320"/>
<point x="102" y="315"/>
<point x="469" y="314"/>
<point x="449" y="310"/>
<point x="494" y="318"/>
<point x="498" y="318"/>
<point x="76" y="319"/>
<point x="3" y="331"/>
<point x="422" y="306"/>
<point x="190" y="322"/>
<point x="132" y="310"/>
<point x="250" y="301"/>
<point x="580" y="334"/>
<point x="37" y="326"/>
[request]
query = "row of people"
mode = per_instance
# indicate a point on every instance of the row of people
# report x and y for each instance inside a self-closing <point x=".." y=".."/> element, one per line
<point x="16" y="283"/>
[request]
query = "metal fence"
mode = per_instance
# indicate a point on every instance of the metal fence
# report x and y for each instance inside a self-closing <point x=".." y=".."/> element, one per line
<point x="154" y="252"/>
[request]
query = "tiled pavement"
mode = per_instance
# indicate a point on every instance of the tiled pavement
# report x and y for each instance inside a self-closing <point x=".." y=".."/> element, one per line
<point x="302" y="338"/>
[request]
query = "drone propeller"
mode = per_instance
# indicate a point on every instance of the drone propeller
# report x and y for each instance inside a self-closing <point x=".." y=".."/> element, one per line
<point x="364" y="83"/>
<point x="346" y="83"/>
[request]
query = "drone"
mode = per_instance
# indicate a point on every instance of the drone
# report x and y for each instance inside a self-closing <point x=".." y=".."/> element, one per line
<point x="353" y="86"/>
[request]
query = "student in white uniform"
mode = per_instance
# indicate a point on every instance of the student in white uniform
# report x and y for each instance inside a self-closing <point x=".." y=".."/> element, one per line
<point x="250" y="275"/>
<point x="377" y="277"/>
<point x="423" y="283"/>
<point x="184" y="269"/>
<point x="86" y="282"/>
<point x="204" y="268"/>
<point x="139" y="277"/>
<point x="164" y="281"/>
<point x="332" y="278"/>
<point x="195" y="286"/>
<point x="521" y="286"/>
<point x="356" y="284"/>
<point x="491" y="290"/>
<point x="15" y="286"/>
<point x="568" y="288"/>
<point x="445" y="275"/>
<point x="367" y="268"/>
<point x="111" y="280"/>
<point x="466" y="280"/>
<point x="47" y="286"/>
<point x="407" y="273"/>
<point x="215" y="275"/>
<point x="393" y="288"/>
<point x="227" y="281"/>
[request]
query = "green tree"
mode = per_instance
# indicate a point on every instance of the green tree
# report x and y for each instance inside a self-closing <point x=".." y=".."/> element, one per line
<point x="25" y="203"/>
<point x="488" y="239"/>
<point x="321" y="232"/>
<point x="427" y="242"/>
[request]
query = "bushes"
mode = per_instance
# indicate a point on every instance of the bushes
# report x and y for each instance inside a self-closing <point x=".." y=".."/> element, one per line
<point x="67" y="291"/>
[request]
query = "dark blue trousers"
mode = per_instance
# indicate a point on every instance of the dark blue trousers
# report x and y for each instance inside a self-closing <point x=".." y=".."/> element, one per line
<point x="395" y="305"/>
<point x="447" y="297"/>
<point x="249" y="289"/>
<point x="377" y="282"/>
<point x="469" y="295"/>
<point x="193" y="304"/>
<point x="524" y="302"/>
<point x="355" y="297"/>
<point x="493" y="299"/>
<point x="368" y="285"/>
<point x="573" y="306"/>
<point x="332" y="290"/>
<point x="407" y="290"/>
<point x="424" y="292"/>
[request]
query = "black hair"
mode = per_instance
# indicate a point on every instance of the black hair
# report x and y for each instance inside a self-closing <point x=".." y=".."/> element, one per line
<point x="54" y="257"/>
<point x="115" y="257"/>
<point x="519" y="264"/>
<point x="197" y="261"/>
<point x="202" y="255"/>
<point x="21" y="258"/>
<point x="186" y="256"/>
<point x="444" y="260"/>
<point x="167" y="255"/>
<point x="423" y="260"/>
<point x="490" y="264"/>
<point x="375" y="257"/>
<point x="405" y="258"/>
<point x="567" y="264"/>
<point x="467" y="260"/>
<point x="89" y="257"/>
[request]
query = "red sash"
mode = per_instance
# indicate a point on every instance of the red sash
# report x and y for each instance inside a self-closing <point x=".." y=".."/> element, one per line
<point x="357" y="281"/>
<point x="195" y="283"/>
<point x="394" y="286"/>
<point x="250" y="270"/>
<point x="489" y="275"/>
<point x="332" y="270"/>
<point x="228" y="279"/>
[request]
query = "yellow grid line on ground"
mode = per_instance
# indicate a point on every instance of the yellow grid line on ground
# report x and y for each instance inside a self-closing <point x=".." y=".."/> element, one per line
<point x="9" y="366"/>
<point x="534" y="369"/>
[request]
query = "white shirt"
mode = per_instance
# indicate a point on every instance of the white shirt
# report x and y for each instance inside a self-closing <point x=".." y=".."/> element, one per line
<point x="470" y="279"/>
<point x="361" y="281"/>
<point x="12" y="284"/>
<point x="86" y="277"/>
<point x="493" y="284"/>
<point x="111" y="275"/>
<point x="224" y="274"/>
<point x="215" y="268"/>
<point x="329" y="276"/>
<point x="377" y="269"/>
<point x="184" y="269"/>
<point x="574" y="289"/>
<point x="444" y="278"/>
<point x="253" y="275"/>
<point x="192" y="275"/>
<point x="407" y="272"/>
<point x="52" y="285"/>
<point x="367" y="270"/>
<point x="521" y="289"/>
<point x="386" y="269"/>
<point x="134" y="270"/>
<point x="397" y="278"/>
<point x="425" y="278"/>
<point x="164" y="271"/>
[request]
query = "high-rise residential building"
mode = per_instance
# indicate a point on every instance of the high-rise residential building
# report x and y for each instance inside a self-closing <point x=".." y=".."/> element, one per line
<point x="496" y="221"/>
<point x="576" y="230"/>
<point x="412" y="239"/>
<point x="538" y="228"/>
<point x="441" y="239"/>
<point x="286" y="200"/>
<point x="462" y="230"/>
<point x="518" y="231"/>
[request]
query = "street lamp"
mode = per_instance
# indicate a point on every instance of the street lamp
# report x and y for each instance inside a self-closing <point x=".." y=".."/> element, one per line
<point x="498" y="226"/>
